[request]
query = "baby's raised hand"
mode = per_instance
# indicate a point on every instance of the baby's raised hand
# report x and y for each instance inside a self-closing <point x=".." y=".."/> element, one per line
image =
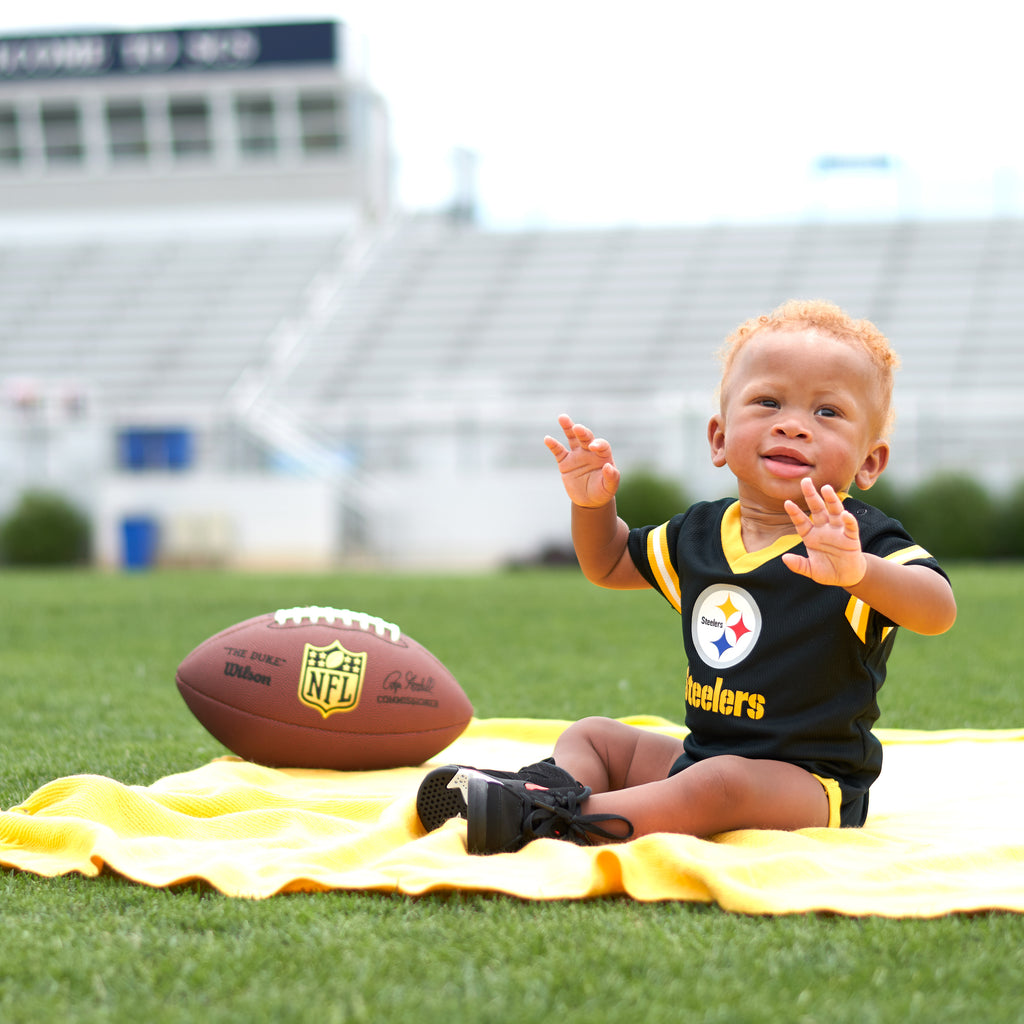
<point x="589" y="474"/>
<point x="831" y="537"/>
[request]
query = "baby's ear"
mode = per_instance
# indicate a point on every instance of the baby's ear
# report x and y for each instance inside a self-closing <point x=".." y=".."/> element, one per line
<point x="716" y="439"/>
<point x="872" y="466"/>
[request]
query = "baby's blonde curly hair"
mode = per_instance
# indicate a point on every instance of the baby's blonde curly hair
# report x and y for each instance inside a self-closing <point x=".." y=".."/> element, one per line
<point x="828" y="319"/>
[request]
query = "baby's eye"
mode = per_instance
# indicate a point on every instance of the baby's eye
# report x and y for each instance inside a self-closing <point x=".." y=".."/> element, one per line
<point x="768" y="403"/>
<point x="827" y="410"/>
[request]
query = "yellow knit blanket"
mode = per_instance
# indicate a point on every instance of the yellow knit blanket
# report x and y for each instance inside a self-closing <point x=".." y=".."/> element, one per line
<point x="945" y="834"/>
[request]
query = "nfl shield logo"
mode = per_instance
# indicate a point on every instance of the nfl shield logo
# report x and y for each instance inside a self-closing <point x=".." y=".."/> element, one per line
<point x="331" y="678"/>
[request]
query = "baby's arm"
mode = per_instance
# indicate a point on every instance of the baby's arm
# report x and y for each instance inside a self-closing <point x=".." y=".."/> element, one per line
<point x="591" y="479"/>
<point x="910" y="595"/>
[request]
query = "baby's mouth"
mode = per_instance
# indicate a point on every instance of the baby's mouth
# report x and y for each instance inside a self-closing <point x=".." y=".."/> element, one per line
<point x="786" y="463"/>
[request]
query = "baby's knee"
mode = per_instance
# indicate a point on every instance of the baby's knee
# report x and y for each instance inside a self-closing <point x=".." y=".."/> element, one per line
<point x="732" y="777"/>
<point x="593" y="723"/>
<point x="597" y="735"/>
<point x="594" y="730"/>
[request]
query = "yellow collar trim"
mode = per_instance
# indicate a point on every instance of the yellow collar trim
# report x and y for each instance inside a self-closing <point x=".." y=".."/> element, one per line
<point x="740" y="560"/>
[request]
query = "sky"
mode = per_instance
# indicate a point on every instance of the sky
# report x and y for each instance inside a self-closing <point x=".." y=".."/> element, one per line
<point x="590" y="113"/>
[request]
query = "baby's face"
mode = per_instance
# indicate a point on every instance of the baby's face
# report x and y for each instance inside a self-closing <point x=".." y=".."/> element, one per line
<point x="798" y="403"/>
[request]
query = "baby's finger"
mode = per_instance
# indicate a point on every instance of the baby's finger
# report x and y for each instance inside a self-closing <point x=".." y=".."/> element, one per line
<point x="575" y="433"/>
<point x="832" y="501"/>
<point x="798" y="517"/>
<point x="556" y="447"/>
<point x="815" y="503"/>
<point x="797" y="563"/>
<point x="850" y="524"/>
<point x="565" y="421"/>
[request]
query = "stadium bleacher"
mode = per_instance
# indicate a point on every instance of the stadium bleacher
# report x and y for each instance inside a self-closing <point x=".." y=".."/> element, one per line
<point x="622" y="318"/>
<point x="437" y="315"/>
<point x="149" y="324"/>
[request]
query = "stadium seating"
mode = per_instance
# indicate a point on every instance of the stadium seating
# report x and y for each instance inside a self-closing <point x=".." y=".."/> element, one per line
<point x="161" y="322"/>
<point x="437" y="319"/>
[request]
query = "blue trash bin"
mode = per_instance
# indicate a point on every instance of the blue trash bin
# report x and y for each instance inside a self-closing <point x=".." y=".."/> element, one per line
<point x="139" y="535"/>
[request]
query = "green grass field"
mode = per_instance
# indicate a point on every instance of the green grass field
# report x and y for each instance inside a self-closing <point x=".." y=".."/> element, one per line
<point x="87" y="676"/>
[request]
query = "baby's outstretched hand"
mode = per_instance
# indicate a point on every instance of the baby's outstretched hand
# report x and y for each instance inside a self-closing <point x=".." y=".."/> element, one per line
<point x="589" y="474"/>
<point x="831" y="537"/>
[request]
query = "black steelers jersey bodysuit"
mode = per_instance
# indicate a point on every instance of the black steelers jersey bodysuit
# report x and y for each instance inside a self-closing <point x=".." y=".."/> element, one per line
<point x="780" y="667"/>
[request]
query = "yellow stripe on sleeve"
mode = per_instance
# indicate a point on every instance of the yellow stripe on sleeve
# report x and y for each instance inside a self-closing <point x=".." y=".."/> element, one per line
<point x="858" y="613"/>
<point x="661" y="565"/>
<point x="905" y="555"/>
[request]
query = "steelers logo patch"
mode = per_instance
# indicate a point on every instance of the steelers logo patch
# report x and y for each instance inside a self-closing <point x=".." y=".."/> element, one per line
<point x="725" y="626"/>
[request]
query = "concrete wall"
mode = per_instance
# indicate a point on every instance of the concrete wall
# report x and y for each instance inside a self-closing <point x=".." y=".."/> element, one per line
<point x="262" y="521"/>
<point x="237" y="520"/>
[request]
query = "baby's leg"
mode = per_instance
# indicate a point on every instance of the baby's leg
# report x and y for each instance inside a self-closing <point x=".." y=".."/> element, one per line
<point x="608" y="755"/>
<point x="718" y="795"/>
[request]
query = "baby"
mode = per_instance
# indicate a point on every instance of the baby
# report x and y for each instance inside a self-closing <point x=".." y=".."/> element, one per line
<point x="789" y="596"/>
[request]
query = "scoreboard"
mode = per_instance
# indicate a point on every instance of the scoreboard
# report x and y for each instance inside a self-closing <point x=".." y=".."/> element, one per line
<point x="167" y="51"/>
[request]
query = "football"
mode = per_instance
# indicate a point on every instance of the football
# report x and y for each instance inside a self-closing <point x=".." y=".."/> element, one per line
<point x="323" y="688"/>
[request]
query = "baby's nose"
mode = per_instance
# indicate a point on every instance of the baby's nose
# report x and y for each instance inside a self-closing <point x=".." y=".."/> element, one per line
<point x="791" y="426"/>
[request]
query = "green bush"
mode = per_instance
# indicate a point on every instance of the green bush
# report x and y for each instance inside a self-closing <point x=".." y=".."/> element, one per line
<point x="952" y="516"/>
<point x="885" y="495"/>
<point x="44" y="529"/>
<point x="1008" y="531"/>
<point x="645" y="498"/>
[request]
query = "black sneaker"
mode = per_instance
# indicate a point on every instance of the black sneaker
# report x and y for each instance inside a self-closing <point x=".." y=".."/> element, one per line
<point x="504" y="815"/>
<point x="438" y="800"/>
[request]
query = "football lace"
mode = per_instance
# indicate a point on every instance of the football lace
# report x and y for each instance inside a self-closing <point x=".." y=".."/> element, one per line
<point x="344" y="615"/>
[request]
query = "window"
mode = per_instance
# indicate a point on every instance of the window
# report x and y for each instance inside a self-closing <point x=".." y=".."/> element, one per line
<point x="256" y="132"/>
<point x="190" y="127"/>
<point x="155" y="448"/>
<point x="10" y="148"/>
<point x="126" y="130"/>
<point x="321" y="116"/>
<point x="62" y="133"/>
